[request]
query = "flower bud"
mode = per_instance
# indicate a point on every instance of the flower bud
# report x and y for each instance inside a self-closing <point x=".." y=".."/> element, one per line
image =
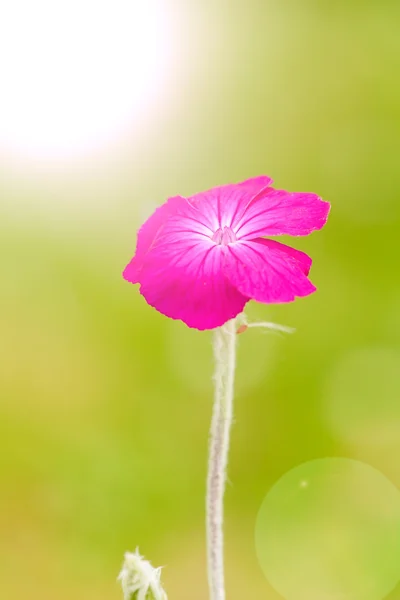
<point x="140" y="580"/>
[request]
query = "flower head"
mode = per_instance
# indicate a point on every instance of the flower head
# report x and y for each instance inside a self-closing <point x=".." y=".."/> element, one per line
<point x="201" y="259"/>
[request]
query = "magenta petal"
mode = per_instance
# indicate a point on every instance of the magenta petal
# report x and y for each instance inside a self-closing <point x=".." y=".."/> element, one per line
<point x="184" y="280"/>
<point x="222" y="205"/>
<point x="302" y="258"/>
<point x="256" y="184"/>
<point x="266" y="272"/>
<point x="147" y="234"/>
<point x="201" y="213"/>
<point x="276" y="212"/>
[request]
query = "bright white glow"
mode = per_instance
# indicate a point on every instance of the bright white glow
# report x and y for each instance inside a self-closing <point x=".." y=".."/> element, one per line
<point x="76" y="74"/>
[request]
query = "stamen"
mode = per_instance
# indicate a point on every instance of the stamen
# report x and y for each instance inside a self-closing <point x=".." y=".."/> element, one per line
<point x="224" y="236"/>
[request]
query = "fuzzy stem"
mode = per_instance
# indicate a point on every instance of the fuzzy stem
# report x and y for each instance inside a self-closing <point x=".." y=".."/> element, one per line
<point x="225" y="358"/>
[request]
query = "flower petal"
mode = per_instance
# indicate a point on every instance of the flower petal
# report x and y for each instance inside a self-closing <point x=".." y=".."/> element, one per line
<point x="277" y="212"/>
<point x="222" y="204"/>
<point x="146" y="235"/>
<point x="176" y="219"/>
<point x="201" y="213"/>
<point x="183" y="279"/>
<point x="179" y="267"/>
<point x="255" y="184"/>
<point x="302" y="258"/>
<point x="267" y="272"/>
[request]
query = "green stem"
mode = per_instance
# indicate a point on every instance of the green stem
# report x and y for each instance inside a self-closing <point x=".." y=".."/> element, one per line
<point x="225" y="359"/>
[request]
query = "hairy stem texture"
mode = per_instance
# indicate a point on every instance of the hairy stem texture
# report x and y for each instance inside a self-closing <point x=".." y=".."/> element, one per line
<point x="225" y="358"/>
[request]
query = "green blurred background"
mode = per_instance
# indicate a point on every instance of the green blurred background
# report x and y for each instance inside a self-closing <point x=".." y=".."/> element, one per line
<point x="105" y="404"/>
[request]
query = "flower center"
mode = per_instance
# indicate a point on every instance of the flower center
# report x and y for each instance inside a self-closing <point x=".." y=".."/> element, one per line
<point x="224" y="236"/>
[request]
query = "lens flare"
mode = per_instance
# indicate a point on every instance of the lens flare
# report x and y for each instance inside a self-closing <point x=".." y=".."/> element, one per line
<point x="77" y="74"/>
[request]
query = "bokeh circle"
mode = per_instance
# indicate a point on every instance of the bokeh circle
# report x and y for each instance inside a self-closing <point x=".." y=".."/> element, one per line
<point x="329" y="529"/>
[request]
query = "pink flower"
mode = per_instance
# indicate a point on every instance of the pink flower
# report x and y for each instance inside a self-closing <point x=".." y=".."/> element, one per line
<point x="201" y="259"/>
